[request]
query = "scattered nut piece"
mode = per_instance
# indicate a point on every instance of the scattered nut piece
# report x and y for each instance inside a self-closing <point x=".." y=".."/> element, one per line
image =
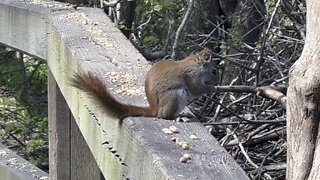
<point x="173" y="129"/>
<point x="167" y="131"/>
<point x="183" y="159"/>
<point x="187" y="156"/>
<point x="179" y="142"/>
<point x="84" y="37"/>
<point x="183" y="119"/>
<point x="174" y="139"/>
<point x="185" y="146"/>
<point x="90" y="29"/>
<point x="193" y="137"/>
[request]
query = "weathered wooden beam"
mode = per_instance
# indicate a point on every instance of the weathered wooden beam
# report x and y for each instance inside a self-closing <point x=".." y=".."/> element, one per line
<point x="86" y="40"/>
<point x="68" y="151"/>
<point x="59" y="132"/>
<point x="14" y="167"/>
<point x="23" y="27"/>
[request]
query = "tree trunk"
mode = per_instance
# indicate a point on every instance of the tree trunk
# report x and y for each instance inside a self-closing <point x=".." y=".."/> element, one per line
<point x="127" y="14"/>
<point x="208" y="24"/>
<point x="251" y="15"/>
<point x="303" y="107"/>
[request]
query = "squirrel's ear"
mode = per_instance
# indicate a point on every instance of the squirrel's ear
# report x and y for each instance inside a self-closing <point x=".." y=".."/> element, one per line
<point x="207" y="56"/>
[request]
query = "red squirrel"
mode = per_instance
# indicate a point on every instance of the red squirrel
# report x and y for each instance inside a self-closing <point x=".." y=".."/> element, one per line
<point x="169" y="85"/>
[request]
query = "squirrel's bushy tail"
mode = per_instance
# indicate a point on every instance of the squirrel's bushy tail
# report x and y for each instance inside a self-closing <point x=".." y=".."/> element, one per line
<point x="96" y="89"/>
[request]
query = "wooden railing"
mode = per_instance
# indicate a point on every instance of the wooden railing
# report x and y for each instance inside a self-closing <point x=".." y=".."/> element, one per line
<point x="14" y="167"/>
<point x="85" y="143"/>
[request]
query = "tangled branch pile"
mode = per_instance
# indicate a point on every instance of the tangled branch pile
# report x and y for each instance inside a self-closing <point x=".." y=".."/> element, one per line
<point x="250" y="120"/>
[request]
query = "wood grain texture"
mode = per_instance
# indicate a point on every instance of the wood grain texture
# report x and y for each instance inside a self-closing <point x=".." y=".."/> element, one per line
<point x="81" y="157"/>
<point x="59" y="132"/>
<point x="86" y="40"/>
<point x="14" y="167"/>
<point x="22" y="26"/>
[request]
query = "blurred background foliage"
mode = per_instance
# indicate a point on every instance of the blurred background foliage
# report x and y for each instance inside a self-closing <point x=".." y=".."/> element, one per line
<point x="23" y="92"/>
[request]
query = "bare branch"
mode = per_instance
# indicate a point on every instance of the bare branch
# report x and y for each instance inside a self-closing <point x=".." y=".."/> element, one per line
<point x="180" y="29"/>
<point x="272" y="92"/>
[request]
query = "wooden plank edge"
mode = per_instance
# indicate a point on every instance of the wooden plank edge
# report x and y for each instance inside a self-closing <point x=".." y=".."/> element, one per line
<point x="13" y="166"/>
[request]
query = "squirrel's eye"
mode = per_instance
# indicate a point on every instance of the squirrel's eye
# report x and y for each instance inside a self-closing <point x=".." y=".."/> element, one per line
<point x="214" y="71"/>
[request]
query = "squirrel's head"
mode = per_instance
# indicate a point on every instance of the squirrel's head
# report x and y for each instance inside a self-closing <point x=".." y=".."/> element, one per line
<point x="208" y="67"/>
<point x="203" y="72"/>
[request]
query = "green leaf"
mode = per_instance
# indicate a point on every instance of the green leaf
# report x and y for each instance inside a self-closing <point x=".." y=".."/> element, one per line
<point x="150" y="39"/>
<point x="3" y="104"/>
<point x="158" y="7"/>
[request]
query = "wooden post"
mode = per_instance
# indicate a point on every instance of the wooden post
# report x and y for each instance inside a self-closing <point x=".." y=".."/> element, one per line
<point x="70" y="157"/>
<point x="59" y="132"/>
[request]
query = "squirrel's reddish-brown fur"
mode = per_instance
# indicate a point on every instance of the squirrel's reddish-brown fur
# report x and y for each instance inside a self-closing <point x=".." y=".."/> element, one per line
<point x="95" y="88"/>
<point x="169" y="85"/>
